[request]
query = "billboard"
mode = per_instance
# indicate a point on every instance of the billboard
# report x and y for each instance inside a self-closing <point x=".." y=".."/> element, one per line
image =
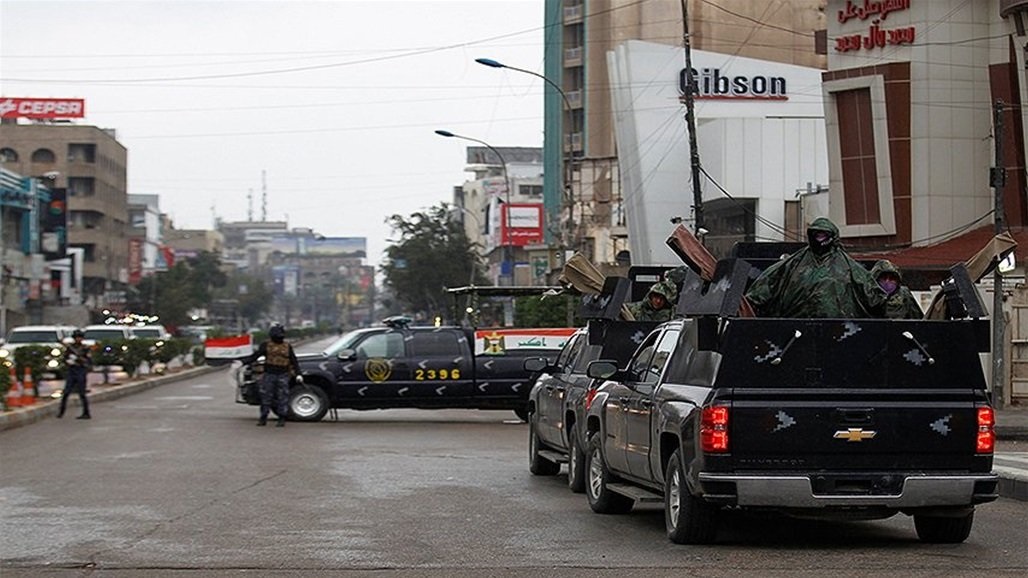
<point x="135" y="261"/>
<point x="42" y="107"/>
<point x="525" y="221"/>
<point x="304" y="245"/>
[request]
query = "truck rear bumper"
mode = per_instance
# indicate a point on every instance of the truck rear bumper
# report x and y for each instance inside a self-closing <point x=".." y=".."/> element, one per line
<point x="797" y="491"/>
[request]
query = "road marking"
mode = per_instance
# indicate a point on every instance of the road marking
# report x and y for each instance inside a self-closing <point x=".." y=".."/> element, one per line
<point x="184" y="398"/>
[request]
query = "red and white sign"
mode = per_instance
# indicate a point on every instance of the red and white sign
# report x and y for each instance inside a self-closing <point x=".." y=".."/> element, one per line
<point x="499" y="341"/>
<point x="135" y="261"/>
<point x="42" y="107"/>
<point x="226" y="348"/>
<point x="525" y="224"/>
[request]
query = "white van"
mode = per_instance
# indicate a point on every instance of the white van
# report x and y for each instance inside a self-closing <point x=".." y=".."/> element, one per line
<point x="50" y="335"/>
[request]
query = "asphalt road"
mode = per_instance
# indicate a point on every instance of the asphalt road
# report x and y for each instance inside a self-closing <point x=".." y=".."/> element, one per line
<point x="177" y="481"/>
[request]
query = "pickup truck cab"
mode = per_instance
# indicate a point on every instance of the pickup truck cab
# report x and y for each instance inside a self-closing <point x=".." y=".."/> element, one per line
<point x="562" y="393"/>
<point x="848" y="418"/>
<point x="423" y="367"/>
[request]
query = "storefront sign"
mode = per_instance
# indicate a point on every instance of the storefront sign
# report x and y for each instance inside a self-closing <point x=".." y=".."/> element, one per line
<point x="877" y="36"/>
<point x="525" y="226"/>
<point x="712" y="85"/>
<point x="42" y="107"/>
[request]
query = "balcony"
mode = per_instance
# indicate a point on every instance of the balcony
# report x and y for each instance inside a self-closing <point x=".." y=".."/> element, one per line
<point x="574" y="14"/>
<point x="573" y="142"/>
<point x="573" y="57"/>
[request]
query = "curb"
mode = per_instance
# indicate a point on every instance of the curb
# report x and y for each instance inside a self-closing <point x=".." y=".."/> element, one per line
<point x="26" y="415"/>
<point x="1011" y="433"/>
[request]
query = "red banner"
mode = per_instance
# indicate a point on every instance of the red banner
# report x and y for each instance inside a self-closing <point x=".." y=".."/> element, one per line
<point x="135" y="261"/>
<point x="42" y="107"/>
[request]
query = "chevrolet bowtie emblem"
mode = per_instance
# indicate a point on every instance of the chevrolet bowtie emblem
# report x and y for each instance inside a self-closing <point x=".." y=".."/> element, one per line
<point x="854" y="434"/>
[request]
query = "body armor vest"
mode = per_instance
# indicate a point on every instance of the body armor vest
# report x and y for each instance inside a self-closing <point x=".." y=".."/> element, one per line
<point x="277" y="355"/>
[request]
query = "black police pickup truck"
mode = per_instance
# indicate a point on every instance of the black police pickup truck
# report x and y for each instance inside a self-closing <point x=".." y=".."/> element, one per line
<point x="848" y="418"/>
<point x="561" y="395"/>
<point x="422" y="367"/>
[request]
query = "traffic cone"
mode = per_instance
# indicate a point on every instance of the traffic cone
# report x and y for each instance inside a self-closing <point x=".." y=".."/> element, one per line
<point x="28" y="389"/>
<point x="14" y="392"/>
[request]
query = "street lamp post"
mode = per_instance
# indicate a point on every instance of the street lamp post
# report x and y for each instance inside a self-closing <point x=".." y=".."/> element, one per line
<point x="568" y="169"/>
<point x="505" y="238"/>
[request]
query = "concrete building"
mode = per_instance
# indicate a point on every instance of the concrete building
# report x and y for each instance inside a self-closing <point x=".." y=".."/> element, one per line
<point x="185" y="243"/>
<point x="90" y="164"/>
<point x="248" y="243"/>
<point x="146" y="237"/>
<point x="584" y="32"/>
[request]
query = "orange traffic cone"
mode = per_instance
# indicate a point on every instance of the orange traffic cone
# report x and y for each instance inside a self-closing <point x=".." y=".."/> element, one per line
<point x="14" y="392"/>
<point x="28" y="389"/>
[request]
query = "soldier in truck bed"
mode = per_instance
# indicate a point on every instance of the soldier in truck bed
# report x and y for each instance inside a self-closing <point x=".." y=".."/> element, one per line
<point x="279" y="363"/>
<point x="900" y="303"/>
<point x="818" y="281"/>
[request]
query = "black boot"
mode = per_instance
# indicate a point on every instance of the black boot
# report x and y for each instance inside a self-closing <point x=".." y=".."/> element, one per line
<point x="85" y="416"/>
<point x="281" y="422"/>
<point x="262" y="421"/>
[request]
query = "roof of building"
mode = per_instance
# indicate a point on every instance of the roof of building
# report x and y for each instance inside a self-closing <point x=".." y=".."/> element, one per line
<point x="941" y="256"/>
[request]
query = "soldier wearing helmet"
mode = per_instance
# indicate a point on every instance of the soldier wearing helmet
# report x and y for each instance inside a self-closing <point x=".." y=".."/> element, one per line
<point x="658" y="304"/>
<point x="279" y="364"/>
<point x="77" y="360"/>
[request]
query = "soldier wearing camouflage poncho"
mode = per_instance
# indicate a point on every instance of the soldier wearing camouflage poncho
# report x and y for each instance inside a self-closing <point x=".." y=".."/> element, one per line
<point x="901" y="303"/>
<point x="658" y="304"/>
<point x="818" y="281"/>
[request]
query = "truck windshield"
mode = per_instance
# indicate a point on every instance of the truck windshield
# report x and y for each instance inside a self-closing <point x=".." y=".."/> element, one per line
<point x="344" y="342"/>
<point x="33" y="337"/>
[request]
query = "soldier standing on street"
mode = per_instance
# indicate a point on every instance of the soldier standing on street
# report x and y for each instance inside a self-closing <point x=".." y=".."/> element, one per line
<point x="77" y="360"/>
<point x="279" y="363"/>
<point x="658" y="304"/>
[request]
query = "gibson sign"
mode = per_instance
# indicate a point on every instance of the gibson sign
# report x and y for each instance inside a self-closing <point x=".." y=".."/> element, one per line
<point x="42" y="107"/>
<point x="712" y="85"/>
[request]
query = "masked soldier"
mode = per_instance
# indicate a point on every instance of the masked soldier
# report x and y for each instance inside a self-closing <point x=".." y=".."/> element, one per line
<point x="820" y="280"/>
<point x="901" y="303"/>
<point x="279" y="363"/>
<point x="658" y="304"/>
<point x="77" y="360"/>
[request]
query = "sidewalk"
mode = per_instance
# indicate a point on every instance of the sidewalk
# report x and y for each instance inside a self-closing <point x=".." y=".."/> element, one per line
<point x="47" y="406"/>
<point x="1012" y="423"/>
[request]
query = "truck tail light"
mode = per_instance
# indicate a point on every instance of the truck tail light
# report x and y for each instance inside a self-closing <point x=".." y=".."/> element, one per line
<point x="986" y="433"/>
<point x="714" y="429"/>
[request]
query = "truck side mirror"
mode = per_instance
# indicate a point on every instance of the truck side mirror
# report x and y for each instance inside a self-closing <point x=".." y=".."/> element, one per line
<point x="346" y="355"/>
<point x="602" y="369"/>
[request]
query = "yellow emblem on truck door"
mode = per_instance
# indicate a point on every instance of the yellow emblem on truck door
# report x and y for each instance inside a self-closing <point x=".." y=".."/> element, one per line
<point x="378" y="370"/>
<point x="854" y="434"/>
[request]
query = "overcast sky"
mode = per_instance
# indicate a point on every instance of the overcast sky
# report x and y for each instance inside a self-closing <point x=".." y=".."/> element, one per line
<point x="336" y="100"/>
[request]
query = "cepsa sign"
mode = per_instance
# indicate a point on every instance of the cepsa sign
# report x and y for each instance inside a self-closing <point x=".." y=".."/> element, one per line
<point x="42" y="107"/>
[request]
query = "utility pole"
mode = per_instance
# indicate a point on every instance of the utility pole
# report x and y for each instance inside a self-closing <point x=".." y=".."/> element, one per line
<point x="998" y="178"/>
<point x="690" y="121"/>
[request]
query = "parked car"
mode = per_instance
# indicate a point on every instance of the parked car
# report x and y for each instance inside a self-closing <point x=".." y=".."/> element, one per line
<point x="562" y="393"/>
<point x="150" y="332"/>
<point x="52" y="336"/>
<point x="96" y="333"/>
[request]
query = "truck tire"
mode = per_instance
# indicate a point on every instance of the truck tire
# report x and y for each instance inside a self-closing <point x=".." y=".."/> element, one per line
<point x="522" y="413"/>
<point x="576" y="464"/>
<point x="688" y="519"/>
<point x="943" y="529"/>
<point x="307" y="403"/>
<point x="537" y="464"/>
<point x="601" y="499"/>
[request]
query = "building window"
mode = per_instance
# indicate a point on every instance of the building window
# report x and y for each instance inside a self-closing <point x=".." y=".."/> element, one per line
<point x="530" y="190"/>
<point x="857" y="153"/>
<point x="81" y="186"/>
<point x="8" y="155"/>
<point x="44" y="156"/>
<point x="81" y="153"/>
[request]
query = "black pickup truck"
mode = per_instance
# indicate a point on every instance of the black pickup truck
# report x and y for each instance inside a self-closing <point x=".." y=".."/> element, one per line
<point x="846" y="418"/>
<point x="422" y="367"/>
<point x="561" y="395"/>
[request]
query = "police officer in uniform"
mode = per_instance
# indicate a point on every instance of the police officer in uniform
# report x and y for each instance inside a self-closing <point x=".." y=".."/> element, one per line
<point x="279" y="363"/>
<point x="77" y="360"/>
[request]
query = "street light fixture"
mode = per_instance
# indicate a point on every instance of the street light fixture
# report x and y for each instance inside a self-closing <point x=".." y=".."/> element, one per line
<point x="507" y="257"/>
<point x="567" y="163"/>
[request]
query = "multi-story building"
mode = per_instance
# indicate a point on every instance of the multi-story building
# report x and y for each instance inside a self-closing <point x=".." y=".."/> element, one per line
<point x="186" y="243"/>
<point x="248" y="243"/>
<point x="90" y="164"/>
<point x="502" y="212"/>
<point x="579" y="143"/>
<point x="146" y="237"/>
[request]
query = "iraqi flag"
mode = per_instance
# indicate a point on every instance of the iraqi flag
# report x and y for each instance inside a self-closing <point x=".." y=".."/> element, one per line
<point x="219" y="350"/>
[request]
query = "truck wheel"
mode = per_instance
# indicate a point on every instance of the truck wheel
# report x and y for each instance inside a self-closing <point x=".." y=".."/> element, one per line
<point x="576" y="464"/>
<point x="943" y="529"/>
<point x="537" y="464"/>
<point x="307" y="403"/>
<point x="601" y="499"/>
<point x="688" y="519"/>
